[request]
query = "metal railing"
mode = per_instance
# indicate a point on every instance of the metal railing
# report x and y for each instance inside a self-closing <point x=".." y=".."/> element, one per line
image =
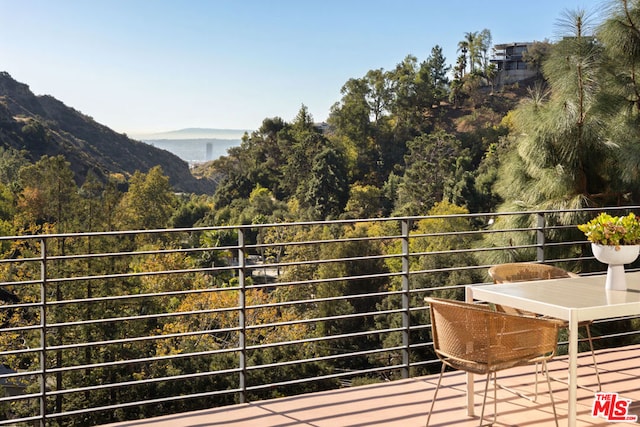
<point x="105" y="327"/>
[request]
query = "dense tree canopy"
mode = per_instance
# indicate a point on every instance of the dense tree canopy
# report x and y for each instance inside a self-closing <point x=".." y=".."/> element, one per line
<point x="399" y="140"/>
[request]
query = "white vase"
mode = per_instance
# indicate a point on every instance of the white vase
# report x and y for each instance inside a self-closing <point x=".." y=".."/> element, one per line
<point x="616" y="257"/>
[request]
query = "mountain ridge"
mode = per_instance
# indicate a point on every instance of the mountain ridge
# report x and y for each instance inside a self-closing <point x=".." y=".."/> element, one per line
<point x="42" y="125"/>
<point x="193" y="133"/>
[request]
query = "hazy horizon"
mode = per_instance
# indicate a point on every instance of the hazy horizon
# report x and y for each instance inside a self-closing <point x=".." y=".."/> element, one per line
<point x="190" y="133"/>
<point x="195" y="150"/>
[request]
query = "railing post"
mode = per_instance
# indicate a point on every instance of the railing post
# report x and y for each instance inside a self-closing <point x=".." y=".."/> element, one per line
<point x="242" y="304"/>
<point x="43" y="332"/>
<point x="406" y="318"/>
<point x="540" y="237"/>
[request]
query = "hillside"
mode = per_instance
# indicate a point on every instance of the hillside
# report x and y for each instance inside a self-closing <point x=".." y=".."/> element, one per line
<point x="43" y="125"/>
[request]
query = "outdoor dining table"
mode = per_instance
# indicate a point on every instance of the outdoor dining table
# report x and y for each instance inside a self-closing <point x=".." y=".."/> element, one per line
<point x="570" y="299"/>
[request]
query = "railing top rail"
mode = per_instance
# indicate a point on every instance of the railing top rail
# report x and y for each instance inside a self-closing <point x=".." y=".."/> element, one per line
<point x="310" y="223"/>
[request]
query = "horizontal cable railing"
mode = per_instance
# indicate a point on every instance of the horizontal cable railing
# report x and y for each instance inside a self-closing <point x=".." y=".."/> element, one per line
<point x="109" y="326"/>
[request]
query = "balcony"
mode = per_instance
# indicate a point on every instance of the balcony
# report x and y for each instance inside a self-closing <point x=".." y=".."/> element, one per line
<point x="405" y="403"/>
<point x="108" y="327"/>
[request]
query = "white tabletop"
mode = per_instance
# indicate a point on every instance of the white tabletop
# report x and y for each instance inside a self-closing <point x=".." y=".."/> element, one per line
<point x="586" y="297"/>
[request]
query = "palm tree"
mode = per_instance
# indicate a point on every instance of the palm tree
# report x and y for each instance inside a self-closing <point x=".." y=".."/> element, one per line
<point x="484" y="44"/>
<point x="463" y="47"/>
<point x="471" y="40"/>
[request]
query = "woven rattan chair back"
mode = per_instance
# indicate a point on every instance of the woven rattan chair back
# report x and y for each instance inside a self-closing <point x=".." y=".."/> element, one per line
<point x="524" y="271"/>
<point x="474" y="338"/>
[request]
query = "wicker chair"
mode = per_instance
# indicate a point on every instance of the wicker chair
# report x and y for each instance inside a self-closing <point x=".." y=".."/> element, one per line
<point x="523" y="271"/>
<point x="474" y="338"/>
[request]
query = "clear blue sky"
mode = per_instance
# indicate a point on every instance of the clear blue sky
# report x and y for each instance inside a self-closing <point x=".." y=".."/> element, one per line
<point x="159" y="65"/>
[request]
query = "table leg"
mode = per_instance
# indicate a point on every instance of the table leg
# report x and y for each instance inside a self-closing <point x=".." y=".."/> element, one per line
<point x="573" y="370"/>
<point x="469" y="375"/>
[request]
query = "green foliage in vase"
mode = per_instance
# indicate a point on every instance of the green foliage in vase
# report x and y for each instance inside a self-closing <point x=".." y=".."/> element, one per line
<point x="612" y="230"/>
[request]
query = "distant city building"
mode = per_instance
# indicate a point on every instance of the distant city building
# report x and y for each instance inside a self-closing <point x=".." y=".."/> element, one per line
<point x="209" y="155"/>
<point x="510" y="64"/>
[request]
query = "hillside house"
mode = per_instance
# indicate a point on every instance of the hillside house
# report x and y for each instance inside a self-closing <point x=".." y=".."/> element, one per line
<point x="512" y="68"/>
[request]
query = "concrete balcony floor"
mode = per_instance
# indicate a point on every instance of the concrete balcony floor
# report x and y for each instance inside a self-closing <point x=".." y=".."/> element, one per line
<point x="405" y="403"/>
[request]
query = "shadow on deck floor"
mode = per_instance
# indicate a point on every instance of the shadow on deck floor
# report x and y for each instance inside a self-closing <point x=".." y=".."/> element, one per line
<point x="405" y="403"/>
